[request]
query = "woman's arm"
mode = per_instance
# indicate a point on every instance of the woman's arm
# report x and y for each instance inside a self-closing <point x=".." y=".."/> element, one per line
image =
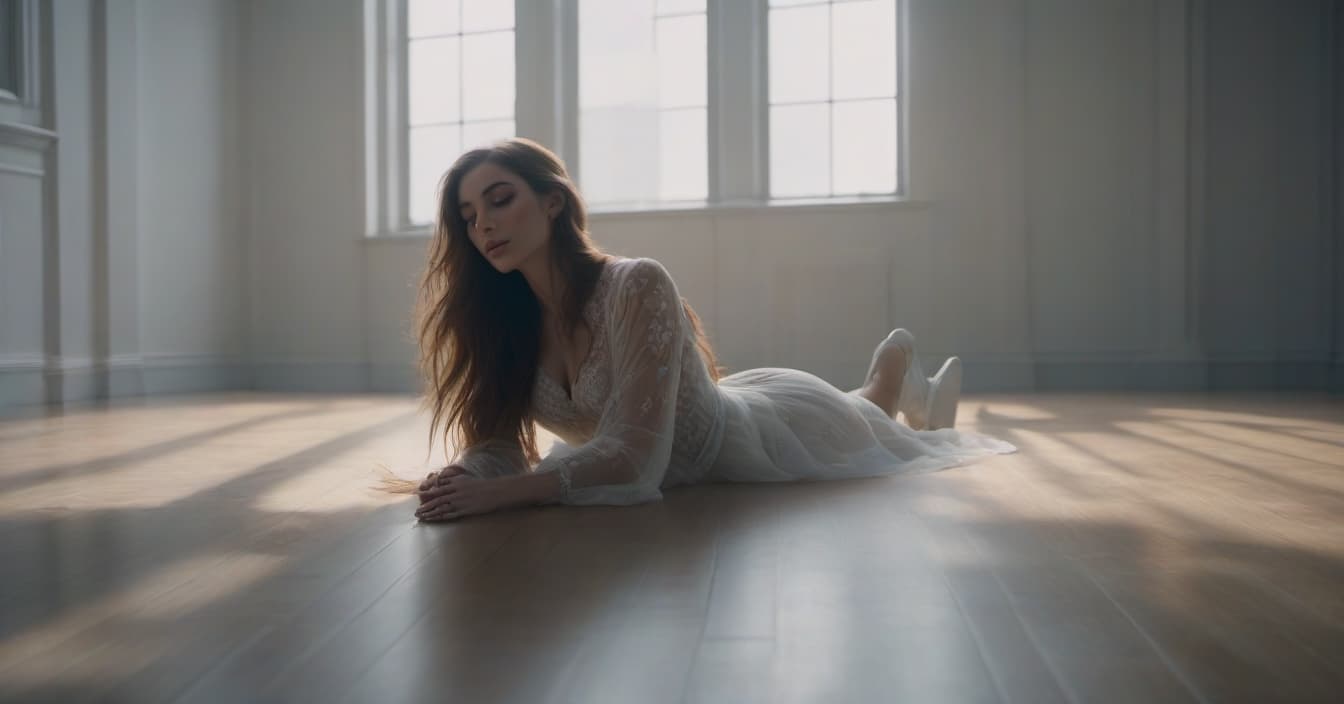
<point x="626" y="459"/>
<point x="459" y="494"/>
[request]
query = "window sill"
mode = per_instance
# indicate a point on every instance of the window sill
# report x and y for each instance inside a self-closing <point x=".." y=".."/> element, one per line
<point x="775" y="205"/>
<point x="690" y="208"/>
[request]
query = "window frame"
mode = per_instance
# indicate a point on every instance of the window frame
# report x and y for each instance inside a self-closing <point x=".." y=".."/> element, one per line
<point x="24" y="103"/>
<point x="546" y="107"/>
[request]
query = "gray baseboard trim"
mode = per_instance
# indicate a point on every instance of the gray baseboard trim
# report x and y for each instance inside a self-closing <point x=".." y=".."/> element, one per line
<point x="21" y="387"/>
<point x="1121" y="376"/>
<point x="395" y="379"/>
<point x="1184" y="376"/>
<point x="991" y="376"/>
<point x="330" y="377"/>
<point x="1269" y="376"/>
<point x="183" y="380"/>
<point x="25" y="384"/>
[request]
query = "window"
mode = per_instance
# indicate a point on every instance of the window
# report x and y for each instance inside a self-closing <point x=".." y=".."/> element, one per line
<point x="13" y="16"/>
<point x="643" y="130"/>
<point x="9" y="47"/>
<point x="833" y="90"/>
<point x="460" y="88"/>
<point x="649" y="102"/>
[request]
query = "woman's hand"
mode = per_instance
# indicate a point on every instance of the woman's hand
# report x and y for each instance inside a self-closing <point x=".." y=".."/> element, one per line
<point x="459" y="494"/>
<point x="432" y="479"/>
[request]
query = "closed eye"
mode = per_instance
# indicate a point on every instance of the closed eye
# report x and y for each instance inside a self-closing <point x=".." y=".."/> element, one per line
<point x="470" y="218"/>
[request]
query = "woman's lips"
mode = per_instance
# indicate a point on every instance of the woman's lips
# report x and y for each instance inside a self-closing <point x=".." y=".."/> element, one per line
<point x="495" y="247"/>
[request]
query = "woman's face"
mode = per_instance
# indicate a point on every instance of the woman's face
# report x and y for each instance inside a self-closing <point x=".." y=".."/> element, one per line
<point x="507" y="221"/>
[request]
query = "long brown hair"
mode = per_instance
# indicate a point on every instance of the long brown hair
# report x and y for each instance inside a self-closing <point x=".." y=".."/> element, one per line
<point x="479" y="330"/>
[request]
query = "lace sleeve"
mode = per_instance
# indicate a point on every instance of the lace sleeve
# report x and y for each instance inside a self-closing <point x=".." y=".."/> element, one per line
<point x="626" y="459"/>
<point x="493" y="458"/>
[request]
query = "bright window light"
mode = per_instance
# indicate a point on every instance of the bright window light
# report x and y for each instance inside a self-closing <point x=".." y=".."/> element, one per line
<point x="460" y="88"/>
<point x="832" y="83"/>
<point x="643" y="134"/>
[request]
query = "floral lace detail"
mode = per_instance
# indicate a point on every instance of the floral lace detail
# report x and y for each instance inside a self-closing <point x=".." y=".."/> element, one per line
<point x="699" y="408"/>
<point x="661" y="327"/>
<point x="578" y="411"/>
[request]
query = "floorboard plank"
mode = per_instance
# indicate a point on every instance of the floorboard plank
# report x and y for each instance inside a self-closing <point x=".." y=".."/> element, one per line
<point x="229" y="547"/>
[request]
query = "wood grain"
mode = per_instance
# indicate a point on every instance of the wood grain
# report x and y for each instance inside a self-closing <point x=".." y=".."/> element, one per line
<point x="229" y="547"/>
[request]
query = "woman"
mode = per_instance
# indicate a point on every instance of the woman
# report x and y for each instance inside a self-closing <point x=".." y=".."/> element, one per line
<point x="525" y="321"/>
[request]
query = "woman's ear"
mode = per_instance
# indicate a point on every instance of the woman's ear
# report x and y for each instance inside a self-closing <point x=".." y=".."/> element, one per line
<point x="555" y="202"/>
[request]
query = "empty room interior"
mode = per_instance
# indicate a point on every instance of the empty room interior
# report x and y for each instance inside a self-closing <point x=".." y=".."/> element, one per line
<point x="636" y="351"/>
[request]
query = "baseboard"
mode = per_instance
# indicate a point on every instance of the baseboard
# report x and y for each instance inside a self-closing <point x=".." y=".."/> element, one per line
<point x="324" y="376"/>
<point x="395" y="379"/>
<point x="25" y="381"/>
<point x="32" y="380"/>
<point x="992" y="376"/>
<point x="1275" y="376"/>
<point x="1121" y="376"/>
<point x="21" y="386"/>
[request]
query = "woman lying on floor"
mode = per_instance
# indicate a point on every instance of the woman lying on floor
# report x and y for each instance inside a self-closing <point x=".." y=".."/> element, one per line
<point x="525" y="321"/>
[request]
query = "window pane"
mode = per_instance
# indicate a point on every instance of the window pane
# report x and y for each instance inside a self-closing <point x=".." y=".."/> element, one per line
<point x="487" y="81"/>
<point x="433" y="80"/>
<point x="864" y="37"/>
<point x="432" y="151"/>
<point x="480" y="134"/>
<point x="616" y="53"/>
<point x="482" y="15"/>
<point x="668" y="7"/>
<point x="428" y="17"/>
<point x="683" y="164"/>
<point x="631" y="63"/>
<point x="865" y="147"/>
<point x="682" y="65"/>
<point x="799" y="54"/>
<point x="800" y="150"/>
<point x="618" y="154"/>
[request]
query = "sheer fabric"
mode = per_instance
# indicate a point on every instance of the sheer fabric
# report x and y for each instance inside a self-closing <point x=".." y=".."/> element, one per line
<point x="645" y="415"/>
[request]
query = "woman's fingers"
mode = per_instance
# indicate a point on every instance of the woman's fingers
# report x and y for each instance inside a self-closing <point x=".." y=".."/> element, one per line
<point x="440" y="475"/>
<point x="452" y="470"/>
<point x="437" y="491"/>
<point x="434" y="505"/>
<point x="444" y="498"/>
<point x="440" y="511"/>
<point x="434" y="513"/>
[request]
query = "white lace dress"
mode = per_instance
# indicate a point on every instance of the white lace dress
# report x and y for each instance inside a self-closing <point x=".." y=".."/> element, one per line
<point x="646" y="415"/>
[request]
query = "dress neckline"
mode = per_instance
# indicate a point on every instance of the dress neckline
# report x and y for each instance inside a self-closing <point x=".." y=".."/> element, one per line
<point x="595" y="321"/>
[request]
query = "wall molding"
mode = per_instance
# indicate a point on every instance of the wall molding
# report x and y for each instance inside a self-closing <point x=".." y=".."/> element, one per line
<point x="35" y="379"/>
<point x="20" y="134"/>
<point x="22" y="170"/>
<point x="29" y="379"/>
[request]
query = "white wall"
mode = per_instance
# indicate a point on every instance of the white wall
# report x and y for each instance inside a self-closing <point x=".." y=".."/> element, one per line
<point x="1077" y="222"/>
<point x="121" y="217"/>
<point x="193" y="288"/>
<point x="1268" y="256"/>
<point x="303" y="116"/>
<point x="26" y="151"/>
<point x="1105" y="193"/>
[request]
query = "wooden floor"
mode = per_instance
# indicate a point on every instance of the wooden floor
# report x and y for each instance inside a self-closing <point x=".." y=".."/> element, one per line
<point x="227" y="548"/>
